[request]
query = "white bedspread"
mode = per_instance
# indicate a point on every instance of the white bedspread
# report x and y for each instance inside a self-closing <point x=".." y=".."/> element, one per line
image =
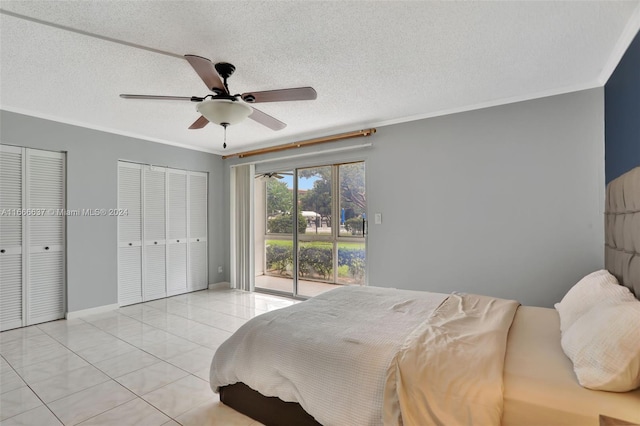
<point x="335" y="354"/>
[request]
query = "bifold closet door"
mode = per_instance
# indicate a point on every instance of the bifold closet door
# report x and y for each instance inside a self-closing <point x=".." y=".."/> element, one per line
<point x="130" y="234"/>
<point x="45" y="230"/>
<point x="32" y="234"/>
<point x="176" y="231"/>
<point x="11" y="201"/>
<point x="198" y="269"/>
<point x="154" y="254"/>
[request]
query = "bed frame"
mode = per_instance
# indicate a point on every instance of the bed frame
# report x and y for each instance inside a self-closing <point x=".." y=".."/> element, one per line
<point x="622" y="259"/>
<point x="271" y="411"/>
<point x="622" y="230"/>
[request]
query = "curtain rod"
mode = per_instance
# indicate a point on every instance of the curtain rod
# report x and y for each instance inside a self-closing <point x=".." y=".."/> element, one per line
<point x="292" y="145"/>
<point x="305" y="154"/>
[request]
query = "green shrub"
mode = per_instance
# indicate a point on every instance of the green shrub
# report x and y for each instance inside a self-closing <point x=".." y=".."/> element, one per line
<point x="315" y="259"/>
<point x="283" y="224"/>
<point x="279" y="257"/>
<point x="356" y="268"/>
<point x="354" y="225"/>
<point x="343" y="271"/>
<point x="354" y="259"/>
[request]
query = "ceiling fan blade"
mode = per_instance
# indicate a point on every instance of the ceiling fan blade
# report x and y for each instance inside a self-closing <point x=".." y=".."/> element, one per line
<point x="207" y="73"/>
<point x="267" y="120"/>
<point x="163" y="98"/>
<point x="295" y="94"/>
<point x="199" y="123"/>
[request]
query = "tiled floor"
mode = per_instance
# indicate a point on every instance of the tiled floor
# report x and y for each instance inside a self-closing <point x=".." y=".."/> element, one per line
<point x="145" y="364"/>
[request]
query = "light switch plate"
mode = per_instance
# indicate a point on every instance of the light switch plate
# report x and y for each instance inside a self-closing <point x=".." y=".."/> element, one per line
<point x="377" y="218"/>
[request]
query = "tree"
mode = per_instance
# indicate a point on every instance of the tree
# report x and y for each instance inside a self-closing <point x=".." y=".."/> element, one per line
<point x="318" y="198"/>
<point x="352" y="189"/>
<point x="279" y="197"/>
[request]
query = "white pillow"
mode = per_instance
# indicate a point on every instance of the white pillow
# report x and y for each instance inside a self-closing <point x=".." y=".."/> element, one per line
<point x="604" y="346"/>
<point x="597" y="287"/>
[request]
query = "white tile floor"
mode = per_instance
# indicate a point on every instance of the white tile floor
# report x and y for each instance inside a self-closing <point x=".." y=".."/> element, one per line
<point x="145" y="364"/>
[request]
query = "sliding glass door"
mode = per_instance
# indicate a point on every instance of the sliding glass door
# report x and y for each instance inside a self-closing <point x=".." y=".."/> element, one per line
<point x="274" y="228"/>
<point x="352" y="210"/>
<point x="316" y="248"/>
<point x="313" y="237"/>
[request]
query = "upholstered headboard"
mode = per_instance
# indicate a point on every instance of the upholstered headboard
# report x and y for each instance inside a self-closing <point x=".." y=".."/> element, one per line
<point x="622" y="230"/>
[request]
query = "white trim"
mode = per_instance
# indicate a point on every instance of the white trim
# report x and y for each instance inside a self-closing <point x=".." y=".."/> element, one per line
<point x="482" y="105"/>
<point x="57" y="119"/>
<point x="292" y="138"/>
<point x="219" y="286"/>
<point x="628" y="34"/>
<point x="91" y="311"/>
<point x="489" y="104"/>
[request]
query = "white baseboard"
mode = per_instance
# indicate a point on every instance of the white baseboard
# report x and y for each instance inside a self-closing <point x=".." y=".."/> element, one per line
<point x="220" y="285"/>
<point x="91" y="311"/>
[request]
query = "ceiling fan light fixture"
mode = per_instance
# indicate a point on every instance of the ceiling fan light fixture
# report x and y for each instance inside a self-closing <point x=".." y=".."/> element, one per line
<point x="226" y="111"/>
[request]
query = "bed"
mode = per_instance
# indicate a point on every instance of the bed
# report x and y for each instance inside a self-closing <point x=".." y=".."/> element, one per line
<point x="512" y="370"/>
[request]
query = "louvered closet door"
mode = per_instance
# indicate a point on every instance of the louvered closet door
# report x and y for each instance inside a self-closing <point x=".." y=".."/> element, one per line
<point x="176" y="231"/>
<point x="130" y="234"/>
<point x="45" y="283"/>
<point x="154" y="233"/>
<point x="11" y="166"/>
<point x="198" y="276"/>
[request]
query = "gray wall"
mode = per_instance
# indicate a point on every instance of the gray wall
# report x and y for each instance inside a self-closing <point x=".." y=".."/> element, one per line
<point x="505" y="201"/>
<point x="92" y="158"/>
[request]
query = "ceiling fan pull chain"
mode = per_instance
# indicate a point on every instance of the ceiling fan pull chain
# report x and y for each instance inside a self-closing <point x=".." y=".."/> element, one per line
<point x="224" y="144"/>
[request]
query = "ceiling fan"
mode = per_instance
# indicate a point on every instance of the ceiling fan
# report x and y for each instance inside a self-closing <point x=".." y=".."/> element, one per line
<point x="273" y="175"/>
<point x="225" y="109"/>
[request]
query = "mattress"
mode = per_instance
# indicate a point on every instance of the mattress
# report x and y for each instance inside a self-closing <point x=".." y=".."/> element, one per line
<point x="540" y="387"/>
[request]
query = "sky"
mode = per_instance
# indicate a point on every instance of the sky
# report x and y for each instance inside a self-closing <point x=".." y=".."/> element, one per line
<point x="303" y="183"/>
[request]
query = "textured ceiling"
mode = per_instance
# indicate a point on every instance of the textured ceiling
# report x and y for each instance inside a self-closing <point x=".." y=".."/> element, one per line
<point x="372" y="63"/>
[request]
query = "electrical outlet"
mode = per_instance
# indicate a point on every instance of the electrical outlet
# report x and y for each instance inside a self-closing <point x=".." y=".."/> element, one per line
<point x="219" y="269"/>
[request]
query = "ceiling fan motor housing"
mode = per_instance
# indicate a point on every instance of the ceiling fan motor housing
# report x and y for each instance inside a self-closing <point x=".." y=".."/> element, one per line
<point x="225" y="69"/>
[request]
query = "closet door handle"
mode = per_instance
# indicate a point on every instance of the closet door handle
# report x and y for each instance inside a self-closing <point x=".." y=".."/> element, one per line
<point x="2" y="251"/>
<point x="155" y="242"/>
<point x="46" y="248"/>
<point x="178" y="240"/>
<point x="130" y="244"/>
<point x="198" y="239"/>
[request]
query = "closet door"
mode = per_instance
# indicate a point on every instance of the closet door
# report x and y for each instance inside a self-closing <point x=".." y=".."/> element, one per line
<point x="176" y="231"/>
<point x="154" y="233"/>
<point x="45" y="227"/>
<point x="130" y="234"/>
<point x="11" y="202"/>
<point x="198" y="271"/>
